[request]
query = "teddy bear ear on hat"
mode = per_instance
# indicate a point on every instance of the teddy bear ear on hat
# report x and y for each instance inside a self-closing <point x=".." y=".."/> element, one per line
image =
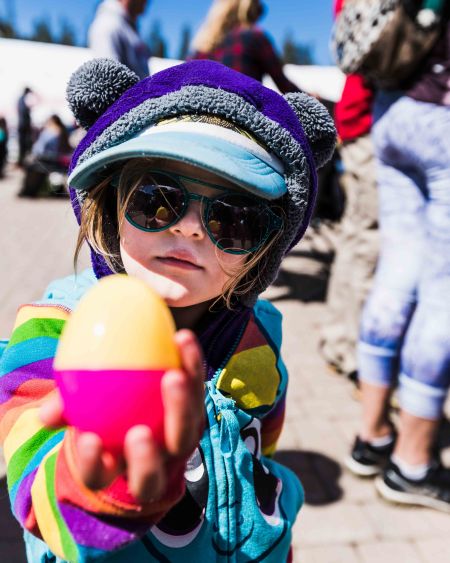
<point x="95" y="86"/>
<point x="317" y="124"/>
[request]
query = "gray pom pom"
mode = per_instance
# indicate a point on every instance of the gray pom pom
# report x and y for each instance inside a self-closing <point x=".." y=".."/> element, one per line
<point x="317" y="124"/>
<point x="95" y="86"/>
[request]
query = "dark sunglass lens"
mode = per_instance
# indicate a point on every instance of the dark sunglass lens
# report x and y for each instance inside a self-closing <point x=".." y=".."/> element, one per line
<point x="238" y="223"/>
<point x="156" y="204"/>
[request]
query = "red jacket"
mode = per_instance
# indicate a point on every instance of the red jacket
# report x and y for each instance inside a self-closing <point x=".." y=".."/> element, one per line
<point x="353" y="113"/>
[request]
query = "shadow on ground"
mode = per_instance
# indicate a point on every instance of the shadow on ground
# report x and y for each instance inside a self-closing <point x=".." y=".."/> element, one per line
<point x="12" y="548"/>
<point x="318" y="473"/>
<point x="304" y="277"/>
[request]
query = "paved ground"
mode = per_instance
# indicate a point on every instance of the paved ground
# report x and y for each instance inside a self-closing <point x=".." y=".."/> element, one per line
<point x="342" y="521"/>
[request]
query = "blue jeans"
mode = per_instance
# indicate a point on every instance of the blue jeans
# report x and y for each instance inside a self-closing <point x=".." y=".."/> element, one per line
<point x="405" y="326"/>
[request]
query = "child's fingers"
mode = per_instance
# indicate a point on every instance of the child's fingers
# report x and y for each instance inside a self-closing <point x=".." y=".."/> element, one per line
<point x="51" y="411"/>
<point x="97" y="468"/>
<point x="145" y="468"/>
<point x="191" y="353"/>
<point x="192" y="362"/>
<point x="183" y="413"/>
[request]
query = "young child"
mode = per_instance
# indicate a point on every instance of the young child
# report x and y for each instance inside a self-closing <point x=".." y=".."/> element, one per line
<point x="197" y="180"/>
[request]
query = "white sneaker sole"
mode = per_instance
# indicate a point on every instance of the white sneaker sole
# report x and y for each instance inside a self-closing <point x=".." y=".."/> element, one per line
<point x="409" y="498"/>
<point x="360" y="469"/>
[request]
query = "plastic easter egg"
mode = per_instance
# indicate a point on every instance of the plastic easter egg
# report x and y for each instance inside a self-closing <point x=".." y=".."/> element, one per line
<point x="111" y="357"/>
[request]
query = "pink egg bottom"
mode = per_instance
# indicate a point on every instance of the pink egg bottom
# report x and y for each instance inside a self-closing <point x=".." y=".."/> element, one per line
<point x="109" y="402"/>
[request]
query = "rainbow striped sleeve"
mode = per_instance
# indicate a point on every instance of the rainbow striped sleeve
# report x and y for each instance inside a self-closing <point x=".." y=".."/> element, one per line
<point x="46" y="497"/>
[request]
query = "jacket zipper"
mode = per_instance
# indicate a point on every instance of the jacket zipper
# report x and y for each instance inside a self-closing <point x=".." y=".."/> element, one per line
<point x="227" y="462"/>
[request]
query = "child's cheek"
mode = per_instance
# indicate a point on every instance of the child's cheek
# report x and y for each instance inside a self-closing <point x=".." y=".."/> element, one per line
<point x="231" y="264"/>
<point x="135" y="242"/>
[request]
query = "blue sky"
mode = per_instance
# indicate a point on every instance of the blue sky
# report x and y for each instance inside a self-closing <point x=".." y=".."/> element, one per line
<point x="309" y="21"/>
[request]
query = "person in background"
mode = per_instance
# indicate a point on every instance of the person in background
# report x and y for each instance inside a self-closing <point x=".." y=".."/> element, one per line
<point x="229" y="35"/>
<point x="50" y="153"/>
<point x="113" y="34"/>
<point x="53" y="141"/>
<point x="356" y="240"/>
<point x="3" y="145"/>
<point x="404" y="333"/>
<point x="24" y="125"/>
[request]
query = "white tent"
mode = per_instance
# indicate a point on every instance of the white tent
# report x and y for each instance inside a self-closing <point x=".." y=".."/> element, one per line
<point x="46" y="68"/>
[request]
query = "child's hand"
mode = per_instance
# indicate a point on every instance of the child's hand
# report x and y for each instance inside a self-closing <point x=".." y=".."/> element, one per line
<point x="143" y="460"/>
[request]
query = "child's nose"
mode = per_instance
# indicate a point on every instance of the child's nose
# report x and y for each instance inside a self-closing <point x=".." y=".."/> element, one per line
<point x="190" y="225"/>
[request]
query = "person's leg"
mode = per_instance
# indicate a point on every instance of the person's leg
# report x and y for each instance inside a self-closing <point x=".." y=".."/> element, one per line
<point x="416" y="438"/>
<point x="425" y="370"/>
<point x="375" y="418"/>
<point x="391" y="303"/>
<point x="22" y="147"/>
<point x="387" y="314"/>
<point x="355" y="259"/>
<point x="415" y="475"/>
<point x="2" y="158"/>
<point x="425" y="366"/>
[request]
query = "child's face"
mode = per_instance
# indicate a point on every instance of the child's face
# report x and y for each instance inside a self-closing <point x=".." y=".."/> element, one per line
<point x="181" y="263"/>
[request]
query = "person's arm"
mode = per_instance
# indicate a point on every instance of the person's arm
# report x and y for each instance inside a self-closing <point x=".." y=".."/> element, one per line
<point x="338" y="6"/>
<point x="270" y="63"/>
<point x="106" y="42"/>
<point x="48" y="495"/>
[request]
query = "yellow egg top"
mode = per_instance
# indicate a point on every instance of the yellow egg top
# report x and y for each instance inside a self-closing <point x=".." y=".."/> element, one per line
<point x="121" y="323"/>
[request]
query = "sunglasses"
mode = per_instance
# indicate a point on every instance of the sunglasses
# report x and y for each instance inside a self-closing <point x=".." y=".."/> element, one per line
<point x="237" y="223"/>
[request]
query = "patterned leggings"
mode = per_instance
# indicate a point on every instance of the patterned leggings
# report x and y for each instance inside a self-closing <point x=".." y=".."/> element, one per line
<point x="405" y="326"/>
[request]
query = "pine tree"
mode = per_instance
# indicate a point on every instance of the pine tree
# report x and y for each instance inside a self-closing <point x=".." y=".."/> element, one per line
<point x="296" y="53"/>
<point x="185" y="42"/>
<point x="67" y="35"/>
<point x="7" y="30"/>
<point x="42" y="32"/>
<point x="8" y="22"/>
<point x="156" y="41"/>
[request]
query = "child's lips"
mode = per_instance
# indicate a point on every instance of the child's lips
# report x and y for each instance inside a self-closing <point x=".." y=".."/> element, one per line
<point x="182" y="260"/>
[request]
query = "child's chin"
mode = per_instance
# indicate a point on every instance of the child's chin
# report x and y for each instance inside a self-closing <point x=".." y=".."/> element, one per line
<point x="172" y="291"/>
<point x="176" y="295"/>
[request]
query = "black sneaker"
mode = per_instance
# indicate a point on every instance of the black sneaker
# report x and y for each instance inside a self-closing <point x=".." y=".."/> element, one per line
<point x="366" y="460"/>
<point x="432" y="491"/>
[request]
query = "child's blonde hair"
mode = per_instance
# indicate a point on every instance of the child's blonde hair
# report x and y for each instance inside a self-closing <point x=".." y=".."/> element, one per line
<point x="102" y="232"/>
<point x="223" y="16"/>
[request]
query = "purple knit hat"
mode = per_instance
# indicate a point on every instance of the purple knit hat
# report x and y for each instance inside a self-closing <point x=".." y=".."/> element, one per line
<point x="107" y="99"/>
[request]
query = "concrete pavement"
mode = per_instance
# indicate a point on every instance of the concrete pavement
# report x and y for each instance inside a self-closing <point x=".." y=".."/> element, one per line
<point x="342" y="521"/>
